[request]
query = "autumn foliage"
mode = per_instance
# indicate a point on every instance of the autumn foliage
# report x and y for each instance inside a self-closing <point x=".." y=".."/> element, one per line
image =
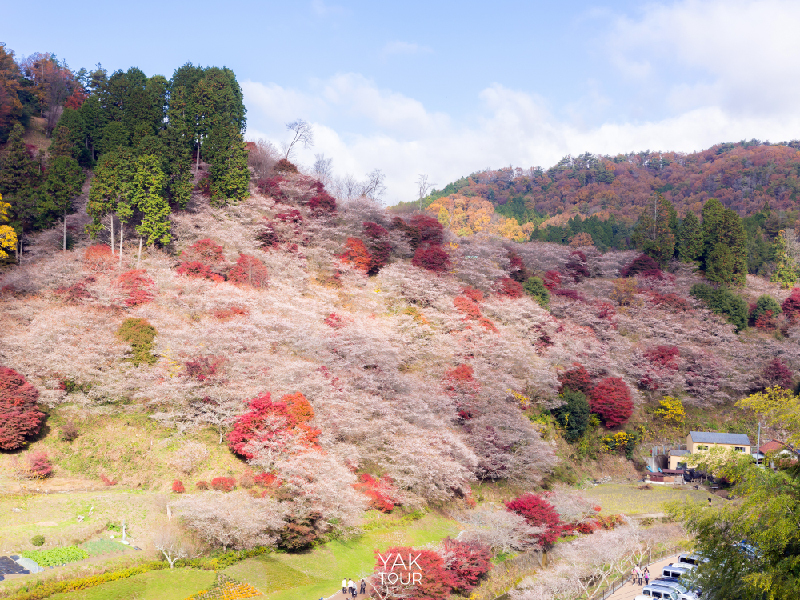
<point x="538" y="512"/>
<point x="467" y="562"/>
<point x="201" y="259"/>
<point x="356" y="254"/>
<point x="249" y="270"/>
<point x="791" y="306"/>
<point x="381" y="492"/>
<point x="177" y="487"/>
<point x="611" y="401"/>
<point x="98" y="258"/>
<point x="20" y="417"/>
<point x="424" y="567"/>
<point x="137" y="287"/>
<point x="577" y="379"/>
<point x="432" y="258"/>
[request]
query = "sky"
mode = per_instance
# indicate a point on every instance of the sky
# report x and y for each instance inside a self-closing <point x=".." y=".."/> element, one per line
<point x="447" y="88"/>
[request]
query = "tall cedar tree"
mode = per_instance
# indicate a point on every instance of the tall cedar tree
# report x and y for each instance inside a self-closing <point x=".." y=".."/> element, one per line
<point x="20" y="417"/>
<point x="147" y="196"/>
<point x="724" y="244"/>
<point x="690" y="240"/>
<point x="64" y="181"/>
<point x="654" y="233"/>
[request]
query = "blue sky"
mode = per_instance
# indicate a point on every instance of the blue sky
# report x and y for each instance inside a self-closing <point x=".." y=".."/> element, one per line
<point x="448" y="88"/>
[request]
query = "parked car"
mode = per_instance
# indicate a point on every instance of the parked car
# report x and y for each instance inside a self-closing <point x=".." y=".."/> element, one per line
<point x="658" y="591"/>
<point x="692" y="559"/>
<point x="675" y="570"/>
<point x="684" y="593"/>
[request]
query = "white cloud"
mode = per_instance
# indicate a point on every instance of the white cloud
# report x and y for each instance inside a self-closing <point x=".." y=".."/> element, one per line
<point x="404" y="48"/>
<point x="727" y="71"/>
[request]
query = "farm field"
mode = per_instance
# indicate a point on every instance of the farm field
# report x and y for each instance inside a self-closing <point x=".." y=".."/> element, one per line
<point x="628" y="499"/>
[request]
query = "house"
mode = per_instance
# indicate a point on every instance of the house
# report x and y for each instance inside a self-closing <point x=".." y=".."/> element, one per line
<point x="702" y="441"/>
<point x="775" y="450"/>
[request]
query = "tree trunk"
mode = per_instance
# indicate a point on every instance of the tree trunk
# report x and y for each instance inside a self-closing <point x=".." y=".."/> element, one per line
<point x="112" y="233"/>
<point x="65" y="230"/>
<point x="139" y="258"/>
<point x="121" y="227"/>
<point x="197" y="165"/>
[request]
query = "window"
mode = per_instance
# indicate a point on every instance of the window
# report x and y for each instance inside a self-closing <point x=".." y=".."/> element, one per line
<point x="739" y="448"/>
<point x="702" y="447"/>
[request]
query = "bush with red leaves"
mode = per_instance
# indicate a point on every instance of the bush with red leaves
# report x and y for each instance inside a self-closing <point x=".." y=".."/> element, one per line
<point x="271" y="186"/>
<point x="76" y="292"/>
<point x="671" y="301"/>
<point x="198" y="270"/>
<point x="777" y="373"/>
<point x="379" y="247"/>
<point x="293" y="410"/>
<point x="285" y="166"/>
<point x="791" y="306"/>
<point x="571" y="294"/>
<point x="137" y="287"/>
<point x="205" y="251"/>
<point x="335" y="321"/>
<point x="266" y="480"/>
<point x="576" y="266"/>
<point x="249" y="270"/>
<point x="229" y="312"/>
<point x="20" y="417"/>
<point x="467" y="306"/>
<point x="203" y="367"/>
<point x="766" y="321"/>
<point x="356" y="253"/>
<point x="430" y="230"/>
<point x="107" y="481"/>
<point x="421" y="574"/>
<point x="473" y="294"/>
<point x="322" y="204"/>
<point x="39" y="464"/>
<point x="510" y="288"/>
<point x="99" y="259"/>
<point x="577" y="379"/>
<point x="587" y="527"/>
<point x="488" y="325"/>
<point x="177" y="487"/>
<point x="611" y="401"/>
<point x="381" y="492"/>
<point x="538" y="512"/>
<point x="640" y="264"/>
<point x="663" y="356"/>
<point x="516" y="267"/>
<point x="223" y="484"/>
<point x="551" y="280"/>
<point x="468" y="562"/>
<point x="201" y="485"/>
<point x="432" y="258"/>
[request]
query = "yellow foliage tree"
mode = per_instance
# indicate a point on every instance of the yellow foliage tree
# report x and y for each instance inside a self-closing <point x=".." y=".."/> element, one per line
<point x="467" y="215"/>
<point x="780" y="408"/>
<point x="671" y="410"/>
<point x="8" y="237"/>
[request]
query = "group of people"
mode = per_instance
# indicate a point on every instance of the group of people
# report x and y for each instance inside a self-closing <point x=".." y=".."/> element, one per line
<point x="637" y="575"/>
<point x="349" y="587"/>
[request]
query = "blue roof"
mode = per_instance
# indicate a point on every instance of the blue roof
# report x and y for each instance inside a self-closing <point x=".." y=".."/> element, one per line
<point x="711" y="437"/>
<point x="678" y="452"/>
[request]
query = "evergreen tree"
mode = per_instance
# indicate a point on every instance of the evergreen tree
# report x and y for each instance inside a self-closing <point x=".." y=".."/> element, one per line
<point x="690" y="246"/>
<point x="111" y="191"/>
<point x="19" y="170"/>
<point x="230" y="176"/>
<point x="653" y="234"/>
<point x="147" y="196"/>
<point x="787" y="271"/>
<point x="64" y="181"/>
<point x="573" y="415"/>
<point x="724" y="244"/>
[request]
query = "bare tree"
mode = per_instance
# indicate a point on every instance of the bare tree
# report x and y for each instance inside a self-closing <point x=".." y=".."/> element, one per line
<point x="168" y="541"/>
<point x="373" y="187"/>
<point x="263" y="157"/>
<point x="302" y="133"/>
<point x="323" y="169"/>
<point x="422" y="187"/>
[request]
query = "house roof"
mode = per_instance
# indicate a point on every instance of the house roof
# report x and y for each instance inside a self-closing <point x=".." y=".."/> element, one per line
<point x="678" y="452"/>
<point x="772" y="446"/>
<point x="712" y="437"/>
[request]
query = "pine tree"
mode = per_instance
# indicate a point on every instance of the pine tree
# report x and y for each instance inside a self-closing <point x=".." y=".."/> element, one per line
<point x="147" y="196"/>
<point x="724" y="244"/>
<point x="19" y="170"/>
<point x="64" y="181"/>
<point x="230" y="176"/>
<point x="653" y="234"/>
<point x="690" y="246"/>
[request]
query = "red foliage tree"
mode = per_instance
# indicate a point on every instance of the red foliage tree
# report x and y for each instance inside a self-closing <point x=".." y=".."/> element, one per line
<point x="516" y="267"/>
<point x="640" y="264"/>
<point x="777" y="373"/>
<point x="137" y="287"/>
<point x="76" y="100"/>
<point x="223" y="484"/>
<point x="431" y="257"/>
<point x="39" y="464"/>
<point x="473" y="294"/>
<point x="249" y="270"/>
<point x="468" y="562"/>
<point x="430" y="230"/>
<point x="539" y="513"/>
<point x="611" y="401"/>
<point x="791" y="306"/>
<point x="177" y="487"/>
<point x="663" y="356"/>
<point x="467" y="306"/>
<point x="356" y="253"/>
<point x="381" y="492"/>
<point x="271" y="186"/>
<point x="576" y="266"/>
<point x="206" y="251"/>
<point x="577" y="379"/>
<point x="20" y="417"/>
<point x="379" y="247"/>
<point x="551" y="280"/>
<point x="98" y="259"/>
<point x="322" y="204"/>
<point x="420" y="574"/>
<point x="293" y="411"/>
<point x="510" y="288"/>
<point x="198" y="270"/>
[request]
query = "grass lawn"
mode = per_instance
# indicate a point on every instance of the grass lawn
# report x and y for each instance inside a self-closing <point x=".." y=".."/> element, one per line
<point x="155" y="585"/>
<point x="320" y="571"/>
<point x="629" y="500"/>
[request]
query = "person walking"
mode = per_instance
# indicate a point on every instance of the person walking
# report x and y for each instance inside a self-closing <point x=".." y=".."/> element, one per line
<point x="639" y="574"/>
<point x="363" y="587"/>
<point x="633" y="576"/>
<point x="646" y="576"/>
<point x="351" y="585"/>
<point x="344" y="586"/>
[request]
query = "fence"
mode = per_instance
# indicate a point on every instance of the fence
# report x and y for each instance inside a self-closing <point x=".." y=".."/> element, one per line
<point x="607" y="589"/>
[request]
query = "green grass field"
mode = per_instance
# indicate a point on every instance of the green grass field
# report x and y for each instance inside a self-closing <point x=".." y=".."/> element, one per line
<point x="156" y="585"/>
<point x="629" y="500"/>
<point x="320" y="571"/>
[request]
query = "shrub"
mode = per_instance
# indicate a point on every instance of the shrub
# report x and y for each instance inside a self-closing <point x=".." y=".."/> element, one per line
<point x="577" y="378"/>
<point x="39" y="464"/>
<point x="198" y="270"/>
<point x="381" y="492"/>
<point x="137" y="287"/>
<point x="76" y="292"/>
<point x="723" y="302"/>
<point x="551" y="280"/>
<point x="20" y="417"/>
<point x="510" y="288"/>
<point x="322" y="204"/>
<point x="203" y="367"/>
<point x="663" y="356"/>
<point x="37" y="540"/>
<point x="379" y="247"/>
<point x="763" y="305"/>
<point x="538" y="512"/>
<point x="270" y="186"/>
<point x="611" y="401"/>
<point x="671" y="410"/>
<point x="140" y="334"/>
<point x="576" y="266"/>
<point x="535" y="288"/>
<point x="791" y="306"/>
<point x="432" y="580"/>
<point x="432" y="258"/>
<point x="430" y="231"/>
<point x="201" y="485"/>
<point x="573" y="415"/>
<point x="286" y="167"/>
<point x="516" y="267"/>
<point x="229" y="312"/>
<point x="223" y="484"/>
<point x="301" y="532"/>
<point x="467" y="562"/>
<point x="571" y="294"/>
<point x="69" y="431"/>
<point x="473" y="294"/>
<point x="640" y="264"/>
<point x="776" y="372"/>
<point x="177" y="487"/>
<point x="106" y="481"/>
<point x="467" y="306"/>
<point x="249" y="270"/>
<point x="356" y="253"/>
<point x="205" y="251"/>
<point x="99" y="259"/>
